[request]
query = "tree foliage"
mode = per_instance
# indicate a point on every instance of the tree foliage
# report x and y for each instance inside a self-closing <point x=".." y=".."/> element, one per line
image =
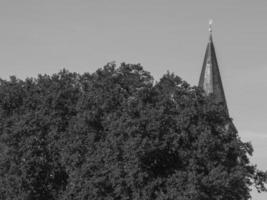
<point x="117" y="135"/>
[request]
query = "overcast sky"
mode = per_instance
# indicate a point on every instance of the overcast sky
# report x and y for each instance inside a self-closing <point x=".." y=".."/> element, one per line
<point x="38" y="36"/>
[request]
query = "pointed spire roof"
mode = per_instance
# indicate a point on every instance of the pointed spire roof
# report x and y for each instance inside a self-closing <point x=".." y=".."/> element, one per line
<point x="210" y="78"/>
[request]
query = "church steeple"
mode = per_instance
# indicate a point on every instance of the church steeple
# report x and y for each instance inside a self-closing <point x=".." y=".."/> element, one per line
<point x="210" y="78"/>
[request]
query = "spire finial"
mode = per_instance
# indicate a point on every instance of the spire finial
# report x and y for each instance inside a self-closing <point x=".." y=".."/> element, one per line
<point x="210" y="25"/>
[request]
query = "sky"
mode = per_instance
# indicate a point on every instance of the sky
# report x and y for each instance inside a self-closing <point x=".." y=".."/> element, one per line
<point x="38" y="36"/>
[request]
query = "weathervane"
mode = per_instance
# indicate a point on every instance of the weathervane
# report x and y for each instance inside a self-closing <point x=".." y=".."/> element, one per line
<point x="210" y="23"/>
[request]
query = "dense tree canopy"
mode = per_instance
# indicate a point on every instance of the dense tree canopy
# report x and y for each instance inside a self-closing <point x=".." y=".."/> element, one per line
<point x="117" y="135"/>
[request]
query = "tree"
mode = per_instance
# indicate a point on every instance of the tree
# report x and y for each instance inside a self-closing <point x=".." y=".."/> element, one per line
<point x="117" y="135"/>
